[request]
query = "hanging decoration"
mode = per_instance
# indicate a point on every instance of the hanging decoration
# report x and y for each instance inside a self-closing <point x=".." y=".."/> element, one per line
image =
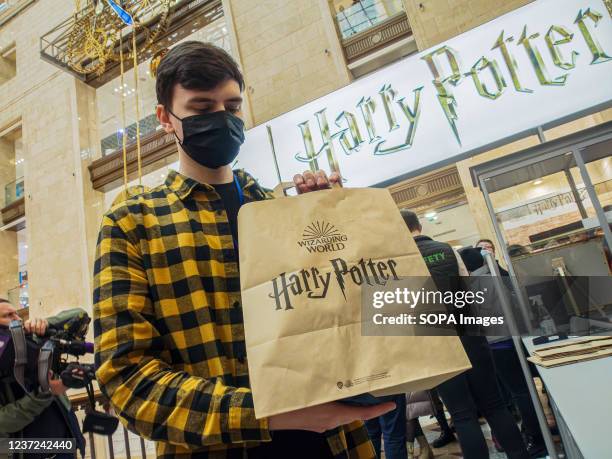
<point x="100" y="35"/>
<point x="140" y="188"/>
<point x="93" y="41"/>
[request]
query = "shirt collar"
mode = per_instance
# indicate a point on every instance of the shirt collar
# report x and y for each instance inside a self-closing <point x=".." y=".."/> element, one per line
<point x="183" y="185"/>
<point x="422" y="237"/>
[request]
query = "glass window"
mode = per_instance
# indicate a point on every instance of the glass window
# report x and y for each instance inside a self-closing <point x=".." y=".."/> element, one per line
<point x="547" y="203"/>
<point x="354" y="16"/>
<point x="11" y="167"/>
<point x="528" y="211"/>
<point x="598" y="161"/>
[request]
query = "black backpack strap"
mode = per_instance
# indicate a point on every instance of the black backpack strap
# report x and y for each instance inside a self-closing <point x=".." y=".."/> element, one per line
<point x="44" y="362"/>
<point x="21" y="354"/>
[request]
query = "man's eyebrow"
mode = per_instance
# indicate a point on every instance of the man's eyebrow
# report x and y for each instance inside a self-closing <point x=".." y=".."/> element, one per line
<point x="195" y="100"/>
<point x="199" y="99"/>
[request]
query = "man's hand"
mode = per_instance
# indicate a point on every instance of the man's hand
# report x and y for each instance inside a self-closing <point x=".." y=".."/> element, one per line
<point x="328" y="416"/>
<point x="36" y="326"/>
<point x="56" y="386"/>
<point x="318" y="181"/>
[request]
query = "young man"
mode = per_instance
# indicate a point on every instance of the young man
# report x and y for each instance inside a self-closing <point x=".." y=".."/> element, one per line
<point x="170" y="350"/>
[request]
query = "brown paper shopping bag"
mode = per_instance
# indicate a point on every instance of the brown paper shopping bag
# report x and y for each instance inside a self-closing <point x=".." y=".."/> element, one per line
<point x="301" y="261"/>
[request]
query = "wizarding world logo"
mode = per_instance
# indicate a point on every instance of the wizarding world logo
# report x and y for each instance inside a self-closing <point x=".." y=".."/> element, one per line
<point x="321" y="237"/>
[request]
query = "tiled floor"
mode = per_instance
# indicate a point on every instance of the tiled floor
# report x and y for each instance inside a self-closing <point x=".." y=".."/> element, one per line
<point x="453" y="451"/>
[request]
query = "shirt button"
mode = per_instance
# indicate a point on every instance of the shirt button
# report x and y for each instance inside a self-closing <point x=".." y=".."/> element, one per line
<point x="236" y="304"/>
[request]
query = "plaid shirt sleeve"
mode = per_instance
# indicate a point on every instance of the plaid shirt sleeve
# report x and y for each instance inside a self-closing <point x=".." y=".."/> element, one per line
<point x="150" y="397"/>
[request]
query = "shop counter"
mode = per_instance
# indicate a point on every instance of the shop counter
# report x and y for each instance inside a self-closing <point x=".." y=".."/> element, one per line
<point x="581" y="398"/>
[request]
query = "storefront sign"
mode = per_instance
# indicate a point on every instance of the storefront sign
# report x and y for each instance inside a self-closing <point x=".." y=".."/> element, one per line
<point x="545" y="62"/>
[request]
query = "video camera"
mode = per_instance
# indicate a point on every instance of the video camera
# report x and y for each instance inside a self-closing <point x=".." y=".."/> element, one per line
<point x="33" y="357"/>
<point x="67" y="340"/>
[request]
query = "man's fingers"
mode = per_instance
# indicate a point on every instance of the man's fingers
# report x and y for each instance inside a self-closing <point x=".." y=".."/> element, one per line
<point x="310" y="180"/>
<point x="300" y="183"/>
<point x="334" y="178"/>
<point x="370" y="412"/>
<point x="298" y="179"/>
<point x="321" y="178"/>
<point x="302" y="188"/>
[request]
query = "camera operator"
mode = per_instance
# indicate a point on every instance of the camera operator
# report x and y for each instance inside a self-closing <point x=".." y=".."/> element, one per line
<point x="37" y="414"/>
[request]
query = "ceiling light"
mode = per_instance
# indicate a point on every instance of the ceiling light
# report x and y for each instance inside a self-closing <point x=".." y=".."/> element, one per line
<point x="430" y="214"/>
<point x="537" y="182"/>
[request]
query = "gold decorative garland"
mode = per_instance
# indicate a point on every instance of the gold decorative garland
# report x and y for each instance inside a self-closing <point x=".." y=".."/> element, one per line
<point x="93" y="40"/>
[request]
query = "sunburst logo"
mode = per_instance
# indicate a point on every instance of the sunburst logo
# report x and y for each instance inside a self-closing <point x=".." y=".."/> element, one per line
<point x="321" y="236"/>
<point x="319" y="229"/>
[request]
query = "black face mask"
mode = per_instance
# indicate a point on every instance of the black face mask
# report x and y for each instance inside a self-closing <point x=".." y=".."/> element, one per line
<point x="212" y="139"/>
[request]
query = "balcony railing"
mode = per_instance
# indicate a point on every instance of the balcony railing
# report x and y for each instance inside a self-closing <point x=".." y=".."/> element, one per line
<point x="365" y="14"/>
<point x="55" y="45"/>
<point x="107" y="171"/>
<point x="13" y="191"/>
<point x="369" y="25"/>
<point x="113" y="142"/>
<point x="122" y="444"/>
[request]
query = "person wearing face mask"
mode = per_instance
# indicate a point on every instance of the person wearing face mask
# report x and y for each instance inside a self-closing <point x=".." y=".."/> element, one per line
<point x="487" y="246"/>
<point x="507" y="364"/>
<point x="35" y="414"/>
<point x="475" y="389"/>
<point x="168" y="323"/>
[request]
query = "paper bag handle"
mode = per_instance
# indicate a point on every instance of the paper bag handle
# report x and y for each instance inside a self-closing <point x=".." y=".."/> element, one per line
<point x="281" y="189"/>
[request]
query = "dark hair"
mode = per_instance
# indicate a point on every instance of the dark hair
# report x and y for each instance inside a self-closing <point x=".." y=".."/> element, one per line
<point x="472" y="258"/>
<point x="411" y="220"/>
<point x="194" y="65"/>
<point x="485" y="240"/>
<point x="515" y="250"/>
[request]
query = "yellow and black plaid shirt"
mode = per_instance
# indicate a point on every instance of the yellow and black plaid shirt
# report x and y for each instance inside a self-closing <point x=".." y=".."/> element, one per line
<point x="169" y="334"/>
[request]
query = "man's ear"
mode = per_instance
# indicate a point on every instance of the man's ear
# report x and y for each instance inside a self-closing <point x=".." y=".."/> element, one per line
<point x="164" y="118"/>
